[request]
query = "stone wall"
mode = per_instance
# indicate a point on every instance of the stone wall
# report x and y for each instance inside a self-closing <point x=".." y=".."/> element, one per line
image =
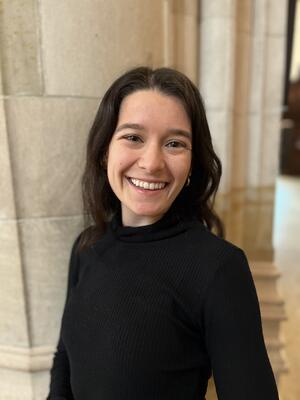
<point x="57" y="59"/>
<point x="241" y="74"/>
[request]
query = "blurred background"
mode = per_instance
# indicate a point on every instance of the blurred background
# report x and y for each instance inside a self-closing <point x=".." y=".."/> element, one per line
<point x="57" y="59"/>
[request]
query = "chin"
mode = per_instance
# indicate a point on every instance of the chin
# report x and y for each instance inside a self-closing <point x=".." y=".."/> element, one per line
<point x="149" y="213"/>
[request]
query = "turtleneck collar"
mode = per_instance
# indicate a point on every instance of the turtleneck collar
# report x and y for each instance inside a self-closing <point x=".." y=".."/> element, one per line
<point x="169" y="225"/>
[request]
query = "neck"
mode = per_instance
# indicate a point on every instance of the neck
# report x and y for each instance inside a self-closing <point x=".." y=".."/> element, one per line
<point x="168" y="225"/>
<point x="139" y="220"/>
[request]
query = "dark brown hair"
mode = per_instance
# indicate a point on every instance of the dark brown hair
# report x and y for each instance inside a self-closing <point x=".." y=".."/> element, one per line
<point x="100" y="202"/>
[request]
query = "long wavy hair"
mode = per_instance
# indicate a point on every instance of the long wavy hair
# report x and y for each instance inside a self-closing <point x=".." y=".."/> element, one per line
<point x="100" y="202"/>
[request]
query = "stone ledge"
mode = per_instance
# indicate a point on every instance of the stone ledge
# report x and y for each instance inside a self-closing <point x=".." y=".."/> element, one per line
<point x="278" y="361"/>
<point x="270" y="301"/>
<point x="273" y="314"/>
<point x="274" y="343"/>
<point x="264" y="269"/>
<point x="26" y="359"/>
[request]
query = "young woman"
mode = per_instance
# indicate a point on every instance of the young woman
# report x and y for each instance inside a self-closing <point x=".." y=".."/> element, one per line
<point x="156" y="302"/>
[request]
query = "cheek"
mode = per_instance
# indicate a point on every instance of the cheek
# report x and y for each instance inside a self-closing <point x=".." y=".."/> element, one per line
<point x="181" y="169"/>
<point x="115" y="169"/>
<point x="120" y="166"/>
<point x="115" y="161"/>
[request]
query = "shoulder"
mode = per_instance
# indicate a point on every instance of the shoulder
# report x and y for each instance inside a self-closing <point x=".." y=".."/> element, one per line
<point x="200" y="240"/>
<point x="212" y="258"/>
<point x="85" y="240"/>
<point x="81" y="253"/>
<point x="80" y="246"/>
<point x="87" y="243"/>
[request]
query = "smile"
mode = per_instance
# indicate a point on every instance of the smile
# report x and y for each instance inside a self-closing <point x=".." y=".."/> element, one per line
<point x="147" y="185"/>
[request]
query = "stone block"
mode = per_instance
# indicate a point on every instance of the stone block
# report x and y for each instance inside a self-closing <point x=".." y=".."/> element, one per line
<point x="40" y="384"/>
<point x="255" y="149"/>
<point x="15" y="385"/>
<point x="244" y="15"/>
<point x="7" y="209"/>
<point x="263" y="153"/>
<point x="49" y="139"/>
<point x="220" y="123"/>
<point x="270" y="148"/>
<point x="46" y="246"/>
<point x="217" y="9"/>
<point x="277" y="17"/>
<point x="239" y="155"/>
<point x="87" y="46"/>
<point x="256" y="87"/>
<point x="258" y="57"/>
<point x="260" y="10"/>
<point x="187" y="7"/>
<point x="274" y="77"/>
<point x="1" y="78"/>
<point x="13" y="323"/>
<point x="183" y="38"/>
<point x="20" y="47"/>
<point x="217" y="63"/>
<point x="242" y="73"/>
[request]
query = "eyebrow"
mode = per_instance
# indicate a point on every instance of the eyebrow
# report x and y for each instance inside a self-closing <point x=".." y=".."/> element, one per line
<point x="175" y="131"/>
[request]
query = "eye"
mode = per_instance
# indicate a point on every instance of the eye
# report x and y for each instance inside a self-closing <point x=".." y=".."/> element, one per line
<point x="132" y="138"/>
<point x="176" y="144"/>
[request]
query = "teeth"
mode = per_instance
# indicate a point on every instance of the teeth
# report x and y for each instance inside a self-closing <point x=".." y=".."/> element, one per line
<point x="147" y="185"/>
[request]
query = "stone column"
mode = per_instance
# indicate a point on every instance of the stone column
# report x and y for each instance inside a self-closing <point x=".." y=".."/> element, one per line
<point x="57" y="59"/>
<point x="181" y="36"/>
<point x="241" y="65"/>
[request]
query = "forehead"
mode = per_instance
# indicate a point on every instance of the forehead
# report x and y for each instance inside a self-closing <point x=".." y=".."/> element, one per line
<point x="153" y="107"/>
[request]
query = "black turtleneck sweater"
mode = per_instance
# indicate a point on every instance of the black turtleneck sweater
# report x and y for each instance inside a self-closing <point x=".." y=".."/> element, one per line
<point x="153" y="311"/>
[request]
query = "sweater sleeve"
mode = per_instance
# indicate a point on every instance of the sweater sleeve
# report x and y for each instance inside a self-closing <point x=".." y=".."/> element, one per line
<point x="234" y="336"/>
<point x="60" y="387"/>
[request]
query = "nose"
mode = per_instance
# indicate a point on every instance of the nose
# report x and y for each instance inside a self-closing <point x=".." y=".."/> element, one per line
<point x="151" y="158"/>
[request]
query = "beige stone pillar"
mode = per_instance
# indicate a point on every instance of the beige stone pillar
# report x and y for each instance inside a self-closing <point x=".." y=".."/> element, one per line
<point x="241" y="64"/>
<point x="57" y="58"/>
<point x="181" y="22"/>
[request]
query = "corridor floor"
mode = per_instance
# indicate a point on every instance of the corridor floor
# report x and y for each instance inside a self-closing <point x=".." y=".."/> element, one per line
<point x="286" y="241"/>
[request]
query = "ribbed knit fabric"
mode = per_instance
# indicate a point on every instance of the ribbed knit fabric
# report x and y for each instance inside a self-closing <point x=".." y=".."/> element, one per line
<point x="152" y="311"/>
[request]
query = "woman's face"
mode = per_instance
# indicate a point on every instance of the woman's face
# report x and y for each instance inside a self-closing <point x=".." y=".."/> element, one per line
<point x="149" y="156"/>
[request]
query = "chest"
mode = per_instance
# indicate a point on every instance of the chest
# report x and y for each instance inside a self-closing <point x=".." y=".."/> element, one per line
<point x="131" y="310"/>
